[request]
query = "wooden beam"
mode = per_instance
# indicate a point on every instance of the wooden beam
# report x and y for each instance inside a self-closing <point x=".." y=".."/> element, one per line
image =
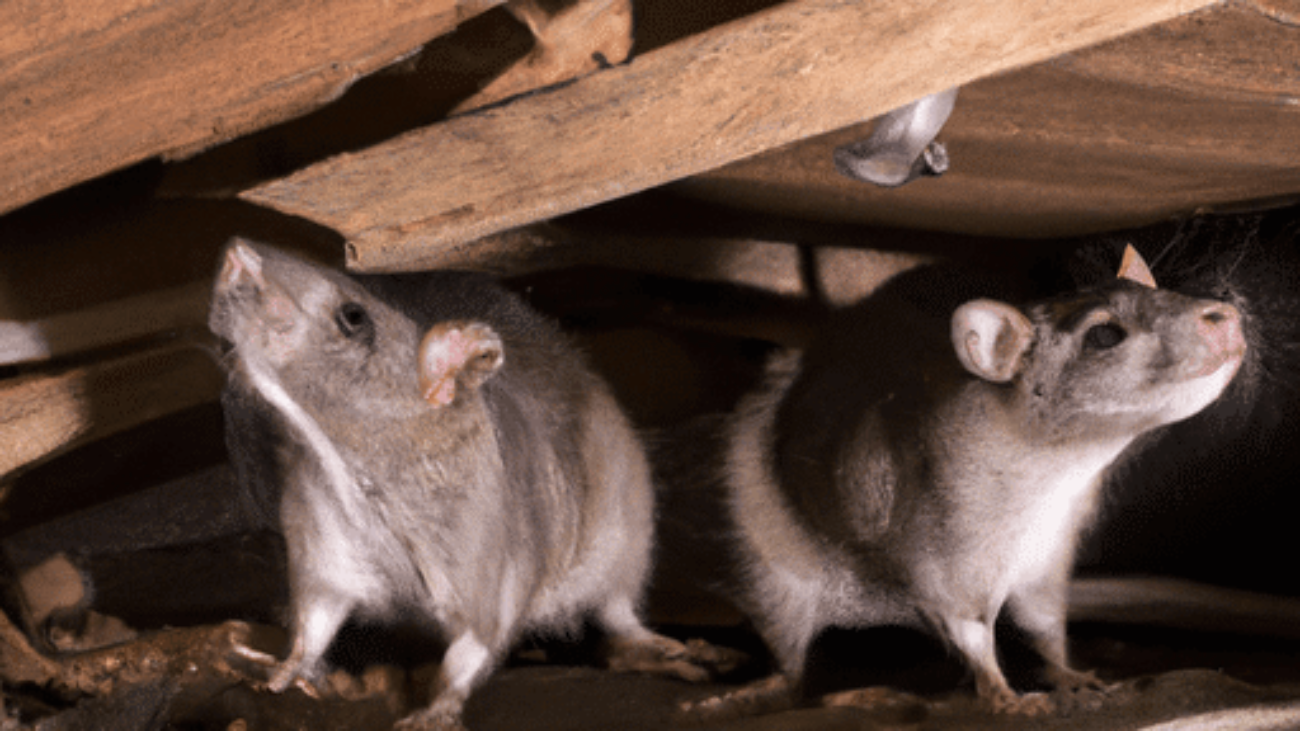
<point x="1182" y="604"/>
<point x="840" y="274"/>
<point x="1189" y="116"/>
<point x="88" y="86"/>
<point x="178" y="308"/>
<point x="42" y="415"/>
<point x="797" y="70"/>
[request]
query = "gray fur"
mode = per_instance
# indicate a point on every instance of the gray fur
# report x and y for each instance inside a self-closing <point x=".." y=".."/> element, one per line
<point x="879" y="478"/>
<point x="522" y="505"/>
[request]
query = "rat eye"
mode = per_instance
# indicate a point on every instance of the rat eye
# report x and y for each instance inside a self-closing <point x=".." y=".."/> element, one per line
<point x="352" y="319"/>
<point x="1104" y="336"/>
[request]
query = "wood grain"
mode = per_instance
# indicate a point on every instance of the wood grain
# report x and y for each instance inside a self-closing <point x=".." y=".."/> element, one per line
<point x="840" y="275"/>
<point x="140" y="316"/>
<point x="1195" y="114"/>
<point x="88" y="86"/>
<point x="42" y="414"/>
<point x="800" y="69"/>
<point x="1170" y="602"/>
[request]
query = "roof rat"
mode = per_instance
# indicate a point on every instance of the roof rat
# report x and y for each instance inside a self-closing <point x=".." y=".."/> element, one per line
<point x="931" y="459"/>
<point x="440" y="449"/>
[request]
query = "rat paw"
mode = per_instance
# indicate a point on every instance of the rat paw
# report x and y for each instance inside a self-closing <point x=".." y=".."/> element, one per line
<point x="768" y="695"/>
<point x="1066" y="679"/>
<point x="1078" y="691"/>
<point x="1012" y="704"/>
<point x="289" y="674"/>
<point x="237" y="636"/>
<point x="443" y="715"/>
<point x="873" y="698"/>
<point x="253" y="664"/>
<point x="695" y="661"/>
<point x="430" y="721"/>
<point x="716" y="659"/>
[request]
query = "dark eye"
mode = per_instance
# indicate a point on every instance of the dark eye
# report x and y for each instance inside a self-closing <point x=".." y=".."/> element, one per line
<point x="1104" y="336"/>
<point x="352" y="319"/>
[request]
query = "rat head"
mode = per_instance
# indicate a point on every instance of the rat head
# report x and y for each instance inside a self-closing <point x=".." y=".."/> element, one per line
<point x="330" y="342"/>
<point x="1111" y="362"/>
<point x="321" y="334"/>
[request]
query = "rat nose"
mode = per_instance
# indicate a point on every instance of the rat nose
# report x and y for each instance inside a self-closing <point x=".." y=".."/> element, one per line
<point x="1219" y="325"/>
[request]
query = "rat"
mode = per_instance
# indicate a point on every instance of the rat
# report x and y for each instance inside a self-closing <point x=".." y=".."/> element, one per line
<point x="436" y="449"/>
<point x="931" y="458"/>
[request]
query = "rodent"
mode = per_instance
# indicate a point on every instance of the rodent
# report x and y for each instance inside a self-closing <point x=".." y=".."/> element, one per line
<point x="932" y="457"/>
<point x="1211" y="498"/>
<point x="438" y="448"/>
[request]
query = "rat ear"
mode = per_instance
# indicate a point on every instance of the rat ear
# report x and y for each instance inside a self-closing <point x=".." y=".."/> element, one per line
<point x="1134" y="268"/>
<point x="990" y="338"/>
<point x="240" y="263"/>
<point x="452" y="354"/>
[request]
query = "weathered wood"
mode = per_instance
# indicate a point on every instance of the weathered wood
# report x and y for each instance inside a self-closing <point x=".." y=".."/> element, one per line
<point x="1182" y="604"/>
<point x="1193" y="114"/>
<point x="42" y="415"/>
<point x="73" y="279"/>
<point x="153" y="313"/>
<point x="88" y="86"/>
<point x="569" y="41"/>
<point x="797" y="70"/>
<point x="841" y="275"/>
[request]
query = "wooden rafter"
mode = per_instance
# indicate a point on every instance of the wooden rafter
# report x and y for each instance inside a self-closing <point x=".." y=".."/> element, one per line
<point x="797" y="70"/>
<point x="89" y="86"/>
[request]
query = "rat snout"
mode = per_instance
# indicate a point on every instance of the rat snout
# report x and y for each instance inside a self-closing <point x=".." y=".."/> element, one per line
<point x="1218" y="325"/>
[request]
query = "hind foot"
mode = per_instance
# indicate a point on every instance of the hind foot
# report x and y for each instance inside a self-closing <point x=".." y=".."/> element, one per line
<point x="873" y="698"/>
<point x="769" y="695"/>
<point x="1077" y="690"/>
<point x="661" y="655"/>
<point x="1010" y="703"/>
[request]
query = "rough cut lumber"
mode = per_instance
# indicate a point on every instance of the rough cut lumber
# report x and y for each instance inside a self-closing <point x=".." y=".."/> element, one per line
<point x="178" y="308"/>
<point x="1182" y="604"/>
<point x="843" y="275"/>
<point x="839" y="274"/>
<point x="88" y="86"/>
<point x="1194" y="114"/>
<point x="568" y="42"/>
<point x="800" y="69"/>
<point x="42" y="415"/>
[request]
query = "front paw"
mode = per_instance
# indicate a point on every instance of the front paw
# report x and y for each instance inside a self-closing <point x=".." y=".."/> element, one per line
<point x="443" y="715"/>
<point x="769" y="695"/>
<point x="718" y="660"/>
<point x="429" y="722"/>
<point x="290" y="674"/>
<point x="247" y="651"/>
<point x="657" y="655"/>
<point x="1067" y="679"/>
<point x="1008" y="702"/>
<point x="244" y="648"/>
<point x="1077" y="691"/>
<point x="878" y="699"/>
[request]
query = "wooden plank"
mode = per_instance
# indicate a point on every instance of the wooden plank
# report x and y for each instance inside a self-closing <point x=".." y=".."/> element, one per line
<point x="42" y="415"/>
<point x="88" y="86"/>
<point x="1193" y="114"/>
<point x="839" y="274"/>
<point x="800" y="69"/>
<point x="153" y="313"/>
<point x="1169" y="602"/>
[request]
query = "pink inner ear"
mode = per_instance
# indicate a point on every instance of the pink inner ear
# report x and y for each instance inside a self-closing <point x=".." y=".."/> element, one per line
<point x="1134" y="268"/>
<point x="442" y="355"/>
<point x="441" y="393"/>
<point x="242" y="263"/>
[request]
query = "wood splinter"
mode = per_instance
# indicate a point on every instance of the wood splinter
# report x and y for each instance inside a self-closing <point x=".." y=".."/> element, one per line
<point x="571" y="42"/>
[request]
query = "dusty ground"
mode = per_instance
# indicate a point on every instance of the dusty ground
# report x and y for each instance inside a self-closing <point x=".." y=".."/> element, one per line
<point x="186" y="679"/>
